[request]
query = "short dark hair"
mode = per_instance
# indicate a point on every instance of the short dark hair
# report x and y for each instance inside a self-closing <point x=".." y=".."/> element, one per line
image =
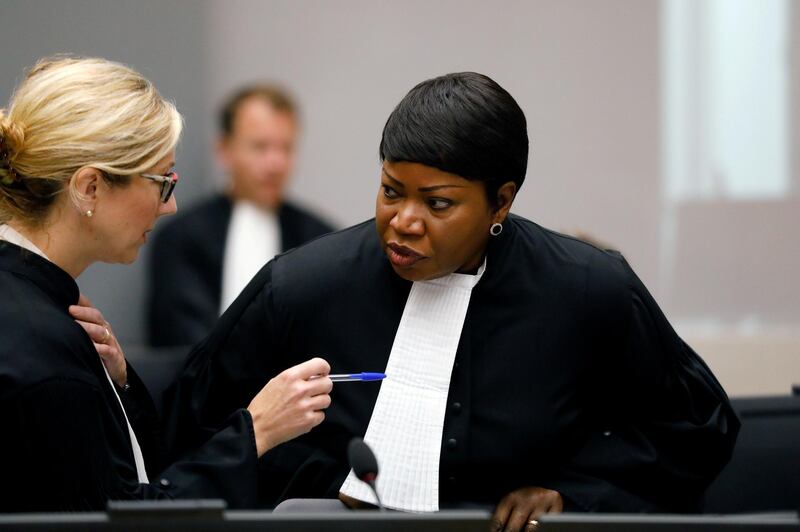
<point x="277" y="97"/>
<point x="462" y="123"/>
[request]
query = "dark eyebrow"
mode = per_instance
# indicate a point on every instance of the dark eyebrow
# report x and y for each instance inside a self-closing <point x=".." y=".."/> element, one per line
<point x="392" y="178"/>
<point x="421" y="189"/>
<point x="437" y="187"/>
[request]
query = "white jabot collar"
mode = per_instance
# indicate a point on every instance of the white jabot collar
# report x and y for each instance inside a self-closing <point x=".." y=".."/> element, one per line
<point x="253" y="239"/>
<point x="405" y="430"/>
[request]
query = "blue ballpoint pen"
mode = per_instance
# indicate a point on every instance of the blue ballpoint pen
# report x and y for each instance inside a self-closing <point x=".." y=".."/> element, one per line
<point x="352" y="377"/>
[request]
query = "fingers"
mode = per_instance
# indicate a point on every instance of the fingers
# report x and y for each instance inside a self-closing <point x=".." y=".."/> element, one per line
<point x="316" y="419"/>
<point x="84" y="311"/>
<point x="309" y="368"/>
<point x="107" y="352"/>
<point x="522" y="508"/>
<point x="501" y="514"/>
<point x="291" y="404"/>
<point x="114" y="361"/>
<point x="548" y="502"/>
<point x="104" y="333"/>
<point x="92" y="321"/>
<point x="518" y="520"/>
<point x="100" y="334"/>
<point x="558" y="505"/>
<point x="310" y="420"/>
<point x="319" y="386"/>
<point x="319" y="402"/>
<point x="311" y="376"/>
<point x="89" y="314"/>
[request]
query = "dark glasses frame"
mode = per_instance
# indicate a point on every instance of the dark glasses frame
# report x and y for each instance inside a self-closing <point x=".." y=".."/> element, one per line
<point x="167" y="181"/>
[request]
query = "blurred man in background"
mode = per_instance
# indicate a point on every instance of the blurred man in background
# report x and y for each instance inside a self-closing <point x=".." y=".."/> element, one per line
<point x="202" y="259"/>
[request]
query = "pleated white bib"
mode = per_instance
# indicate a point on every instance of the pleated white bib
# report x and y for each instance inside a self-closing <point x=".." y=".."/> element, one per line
<point x="254" y="238"/>
<point x="405" y="430"/>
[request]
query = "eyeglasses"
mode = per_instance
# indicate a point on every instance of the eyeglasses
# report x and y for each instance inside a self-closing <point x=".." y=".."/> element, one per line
<point x="167" y="181"/>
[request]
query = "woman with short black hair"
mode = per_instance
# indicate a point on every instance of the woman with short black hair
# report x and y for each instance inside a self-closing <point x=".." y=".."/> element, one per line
<point x="528" y="371"/>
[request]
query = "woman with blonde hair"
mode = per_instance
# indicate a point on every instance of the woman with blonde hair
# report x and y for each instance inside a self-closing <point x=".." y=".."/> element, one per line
<point x="87" y="150"/>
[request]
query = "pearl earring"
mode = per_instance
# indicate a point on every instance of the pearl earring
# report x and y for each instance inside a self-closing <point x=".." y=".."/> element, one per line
<point x="89" y="213"/>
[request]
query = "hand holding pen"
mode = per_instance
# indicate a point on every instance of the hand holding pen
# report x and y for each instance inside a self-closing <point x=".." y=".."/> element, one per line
<point x="291" y="404"/>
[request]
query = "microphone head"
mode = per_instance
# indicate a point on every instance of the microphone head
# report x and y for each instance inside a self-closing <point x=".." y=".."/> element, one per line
<point x="362" y="460"/>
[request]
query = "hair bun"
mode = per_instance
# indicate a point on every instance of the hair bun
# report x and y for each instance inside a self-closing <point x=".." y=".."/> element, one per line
<point x="11" y="139"/>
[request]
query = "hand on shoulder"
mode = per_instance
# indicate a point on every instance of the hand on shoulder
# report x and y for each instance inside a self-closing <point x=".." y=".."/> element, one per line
<point x="99" y="330"/>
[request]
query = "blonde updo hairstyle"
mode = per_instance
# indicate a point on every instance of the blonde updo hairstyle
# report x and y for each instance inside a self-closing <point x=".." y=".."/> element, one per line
<point x="73" y="113"/>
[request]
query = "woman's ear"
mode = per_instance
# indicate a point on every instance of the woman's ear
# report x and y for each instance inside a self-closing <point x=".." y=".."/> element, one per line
<point x="83" y="189"/>
<point x="505" y="197"/>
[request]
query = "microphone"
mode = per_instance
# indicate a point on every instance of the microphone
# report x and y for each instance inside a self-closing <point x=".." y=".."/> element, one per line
<point x="364" y="465"/>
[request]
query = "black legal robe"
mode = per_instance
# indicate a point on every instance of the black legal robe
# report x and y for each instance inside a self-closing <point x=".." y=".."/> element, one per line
<point x="65" y="444"/>
<point x="185" y="267"/>
<point x="567" y="375"/>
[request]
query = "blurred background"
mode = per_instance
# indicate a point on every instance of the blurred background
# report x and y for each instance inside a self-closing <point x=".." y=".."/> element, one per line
<point x="669" y="130"/>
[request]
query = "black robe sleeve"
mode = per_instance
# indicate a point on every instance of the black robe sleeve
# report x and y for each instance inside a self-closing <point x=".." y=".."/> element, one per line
<point x="226" y="370"/>
<point x="665" y="425"/>
<point x="144" y="419"/>
<point x="73" y="467"/>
